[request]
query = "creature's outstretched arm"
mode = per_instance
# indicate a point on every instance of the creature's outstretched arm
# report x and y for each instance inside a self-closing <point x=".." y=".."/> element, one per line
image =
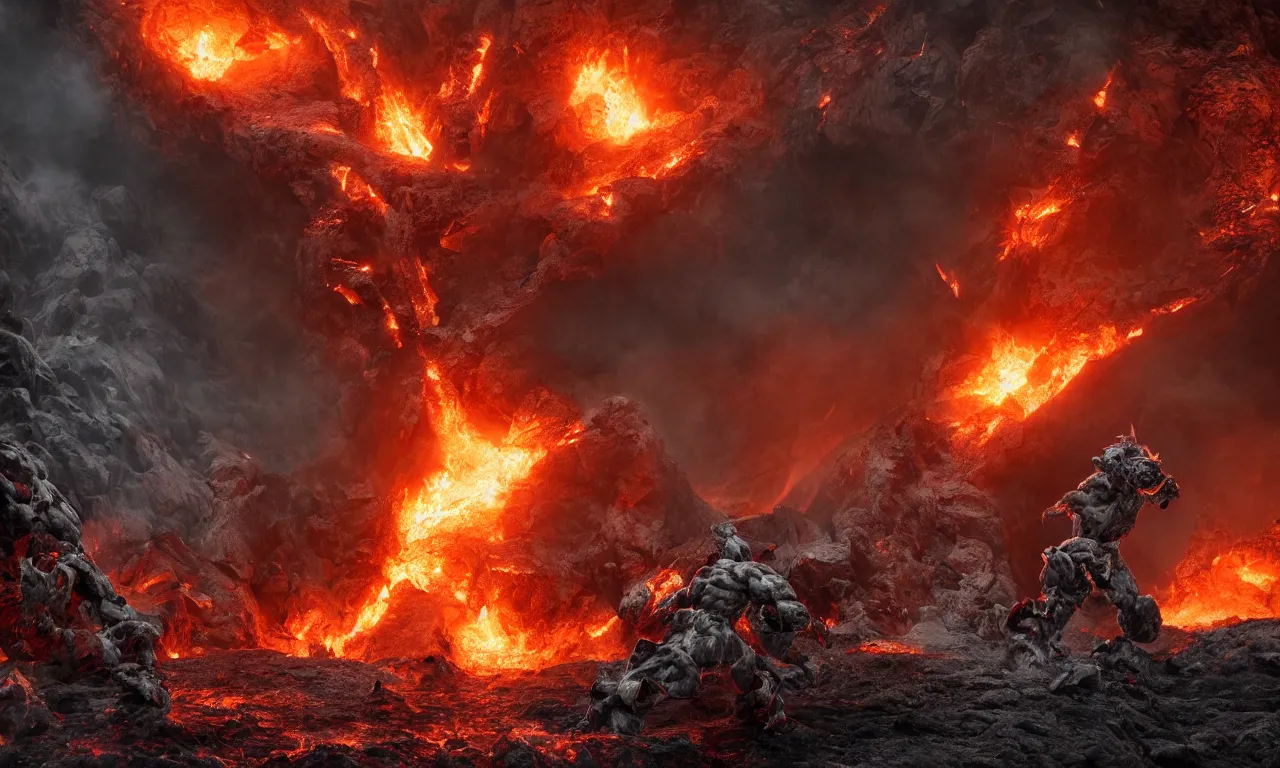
<point x="1057" y="510"/>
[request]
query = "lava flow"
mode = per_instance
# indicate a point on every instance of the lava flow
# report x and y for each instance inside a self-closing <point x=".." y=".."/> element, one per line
<point x="459" y="508"/>
<point x="1215" y="586"/>
<point x="1019" y="378"/>
<point x="609" y="101"/>
<point x="207" y="45"/>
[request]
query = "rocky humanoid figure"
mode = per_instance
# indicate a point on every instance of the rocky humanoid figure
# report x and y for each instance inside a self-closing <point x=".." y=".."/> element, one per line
<point x="1102" y="510"/>
<point x="701" y="636"/>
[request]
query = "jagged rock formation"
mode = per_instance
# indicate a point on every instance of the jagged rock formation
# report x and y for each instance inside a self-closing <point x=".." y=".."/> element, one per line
<point x="59" y="609"/>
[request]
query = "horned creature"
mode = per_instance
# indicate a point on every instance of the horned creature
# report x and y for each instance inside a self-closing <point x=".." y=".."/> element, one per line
<point x="701" y="635"/>
<point x="1103" y="509"/>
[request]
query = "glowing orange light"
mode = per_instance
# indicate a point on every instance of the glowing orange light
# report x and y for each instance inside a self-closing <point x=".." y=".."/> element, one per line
<point x="615" y="111"/>
<point x="464" y="500"/>
<point x="478" y="69"/>
<point x="951" y="280"/>
<point x="664" y="584"/>
<point x="1020" y="378"/>
<point x="1216" y="587"/>
<point x="348" y="75"/>
<point x="207" y="46"/>
<point x="1100" y="98"/>
<point x="824" y="101"/>
<point x="886" y="648"/>
<point x="1175" y="306"/>
<point x="401" y="128"/>
<point x="1030" y="226"/>
<point x="356" y="188"/>
<point x="392" y="324"/>
<point x="1073" y="140"/>
<point x="482" y="117"/>
<point x="351" y="296"/>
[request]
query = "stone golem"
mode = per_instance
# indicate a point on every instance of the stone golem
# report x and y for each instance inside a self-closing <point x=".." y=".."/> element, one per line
<point x="1103" y="509"/>
<point x="701" y="635"/>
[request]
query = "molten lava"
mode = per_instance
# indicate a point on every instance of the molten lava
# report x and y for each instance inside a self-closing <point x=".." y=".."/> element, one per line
<point x="1032" y="224"/>
<point x="1215" y="586"/>
<point x="886" y="648"/>
<point x="401" y="129"/>
<point x="1019" y="378"/>
<point x="207" y="44"/>
<point x="1100" y="98"/>
<point x="664" y="584"/>
<point x="457" y="508"/>
<point x="606" y="98"/>
<point x="478" y="69"/>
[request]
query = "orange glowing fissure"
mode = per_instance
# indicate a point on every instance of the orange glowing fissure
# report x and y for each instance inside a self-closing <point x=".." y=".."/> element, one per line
<point x="886" y="648"/>
<point x="462" y="503"/>
<point x="1240" y="583"/>
<point x="614" y="110"/>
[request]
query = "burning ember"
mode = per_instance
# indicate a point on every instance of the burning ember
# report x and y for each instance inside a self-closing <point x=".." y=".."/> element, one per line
<point x="608" y="100"/>
<point x="206" y="45"/>
<point x="1215" y="586"/>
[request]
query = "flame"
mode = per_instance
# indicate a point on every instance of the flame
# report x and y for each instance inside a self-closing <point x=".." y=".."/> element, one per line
<point x="951" y="280"/>
<point x="351" y="296"/>
<point x="1239" y="583"/>
<point x="1073" y="140"/>
<point x="615" y="111"/>
<point x="206" y="46"/>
